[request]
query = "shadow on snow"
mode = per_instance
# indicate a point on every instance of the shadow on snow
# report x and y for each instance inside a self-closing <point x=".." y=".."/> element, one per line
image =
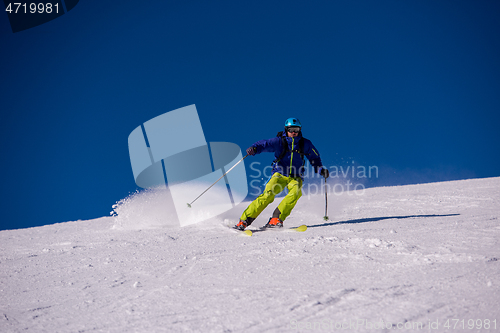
<point x="375" y="219"/>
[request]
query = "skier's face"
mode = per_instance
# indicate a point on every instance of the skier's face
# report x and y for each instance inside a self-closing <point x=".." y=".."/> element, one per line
<point x="293" y="132"/>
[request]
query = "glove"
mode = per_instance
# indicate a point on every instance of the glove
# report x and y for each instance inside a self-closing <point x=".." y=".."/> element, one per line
<point x="324" y="172"/>
<point x="251" y="151"/>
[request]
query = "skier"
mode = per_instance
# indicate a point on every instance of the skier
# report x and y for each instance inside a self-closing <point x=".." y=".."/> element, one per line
<point x="289" y="148"/>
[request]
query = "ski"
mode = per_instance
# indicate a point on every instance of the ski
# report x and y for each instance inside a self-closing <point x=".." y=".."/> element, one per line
<point x="300" y="228"/>
<point x="246" y="232"/>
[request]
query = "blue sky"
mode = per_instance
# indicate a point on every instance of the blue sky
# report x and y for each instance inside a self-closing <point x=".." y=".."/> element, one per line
<point x="412" y="87"/>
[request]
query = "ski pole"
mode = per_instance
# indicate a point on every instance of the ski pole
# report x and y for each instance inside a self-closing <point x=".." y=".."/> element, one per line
<point x="326" y="204"/>
<point x="189" y="204"/>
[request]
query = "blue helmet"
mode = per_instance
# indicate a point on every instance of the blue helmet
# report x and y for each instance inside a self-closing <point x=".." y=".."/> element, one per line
<point x="292" y="122"/>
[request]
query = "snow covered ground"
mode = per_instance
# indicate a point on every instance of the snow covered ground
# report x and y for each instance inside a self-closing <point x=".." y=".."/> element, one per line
<point x="410" y="258"/>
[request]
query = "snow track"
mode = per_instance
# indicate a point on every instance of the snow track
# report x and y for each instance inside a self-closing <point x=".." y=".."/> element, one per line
<point x="404" y="255"/>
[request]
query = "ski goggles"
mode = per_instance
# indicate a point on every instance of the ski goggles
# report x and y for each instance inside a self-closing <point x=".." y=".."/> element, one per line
<point x="293" y="129"/>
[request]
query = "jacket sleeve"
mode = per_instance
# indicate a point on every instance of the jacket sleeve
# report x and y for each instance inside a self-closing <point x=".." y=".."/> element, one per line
<point x="267" y="146"/>
<point x="312" y="155"/>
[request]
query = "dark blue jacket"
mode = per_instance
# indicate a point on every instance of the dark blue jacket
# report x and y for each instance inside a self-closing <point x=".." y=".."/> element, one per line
<point x="291" y="164"/>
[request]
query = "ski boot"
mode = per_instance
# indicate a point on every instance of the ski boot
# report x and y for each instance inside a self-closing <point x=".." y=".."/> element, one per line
<point x="244" y="223"/>
<point x="274" y="222"/>
<point x="241" y="225"/>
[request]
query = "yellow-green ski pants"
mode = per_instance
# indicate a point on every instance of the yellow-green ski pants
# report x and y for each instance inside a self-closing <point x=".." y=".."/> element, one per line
<point x="276" y="185"/>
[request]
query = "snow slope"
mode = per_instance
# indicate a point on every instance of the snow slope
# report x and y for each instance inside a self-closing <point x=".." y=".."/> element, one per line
<point x="415" y="257"/>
